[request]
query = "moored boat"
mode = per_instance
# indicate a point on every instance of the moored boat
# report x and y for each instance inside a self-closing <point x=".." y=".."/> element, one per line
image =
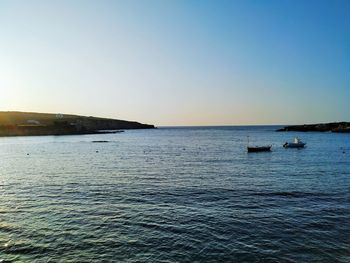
<point x="297" y="143"/>
<point x="251" y="149"/>
<point x="259" y="148"/>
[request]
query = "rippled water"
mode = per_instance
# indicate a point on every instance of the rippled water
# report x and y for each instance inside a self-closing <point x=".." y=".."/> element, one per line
<point x="175" y="194"/>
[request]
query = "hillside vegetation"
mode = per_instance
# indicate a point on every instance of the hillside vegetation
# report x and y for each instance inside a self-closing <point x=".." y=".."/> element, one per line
<point x="30" y="123"/>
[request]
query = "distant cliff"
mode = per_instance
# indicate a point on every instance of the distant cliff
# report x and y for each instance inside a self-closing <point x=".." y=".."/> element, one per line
<point x="321" y="127"/>
<point x="29" y="123"/>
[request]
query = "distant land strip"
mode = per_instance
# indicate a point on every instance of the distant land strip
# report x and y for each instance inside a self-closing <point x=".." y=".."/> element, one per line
<point x="341" y="127"/>
<point x="14" y="123"/>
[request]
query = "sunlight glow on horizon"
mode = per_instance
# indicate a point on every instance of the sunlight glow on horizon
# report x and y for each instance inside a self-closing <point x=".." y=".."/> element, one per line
<point x="178" y="62"/>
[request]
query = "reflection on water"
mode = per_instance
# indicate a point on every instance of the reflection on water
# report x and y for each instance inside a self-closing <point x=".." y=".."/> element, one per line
<point x="175" y="194"/>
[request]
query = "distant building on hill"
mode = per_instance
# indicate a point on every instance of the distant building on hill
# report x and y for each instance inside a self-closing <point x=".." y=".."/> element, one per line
<point x="33" y="122"/>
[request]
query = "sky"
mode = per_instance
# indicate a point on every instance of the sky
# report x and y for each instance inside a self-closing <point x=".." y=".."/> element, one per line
<point x="216" y="62"/>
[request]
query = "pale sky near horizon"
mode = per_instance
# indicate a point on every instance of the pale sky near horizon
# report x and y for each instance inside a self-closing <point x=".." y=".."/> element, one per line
<point x="178" y="62"/>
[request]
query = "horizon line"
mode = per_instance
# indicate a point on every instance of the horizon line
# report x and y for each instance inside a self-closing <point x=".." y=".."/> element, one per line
<point x="178" y="125"/>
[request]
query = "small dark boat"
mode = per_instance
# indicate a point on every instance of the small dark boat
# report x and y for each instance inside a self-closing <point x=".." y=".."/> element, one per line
<point x="253" y="149"/>
<point x="259" y="149"/>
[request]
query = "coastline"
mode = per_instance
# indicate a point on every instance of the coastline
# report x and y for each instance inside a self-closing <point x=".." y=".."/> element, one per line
<point x="41" y="124"/>
<point x="337" y="127"/>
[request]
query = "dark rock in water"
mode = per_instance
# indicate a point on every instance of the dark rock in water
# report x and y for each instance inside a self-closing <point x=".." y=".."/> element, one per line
<point x="321" y="127"/>
<point x="111" y="131"/>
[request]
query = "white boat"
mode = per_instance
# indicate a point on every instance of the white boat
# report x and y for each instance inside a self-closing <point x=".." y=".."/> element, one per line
<point x="297" y="143"/>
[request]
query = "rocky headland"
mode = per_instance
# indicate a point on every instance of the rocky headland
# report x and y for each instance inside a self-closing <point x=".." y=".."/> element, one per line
<point x="341" y="127"/>
<point x="31" y="124"/>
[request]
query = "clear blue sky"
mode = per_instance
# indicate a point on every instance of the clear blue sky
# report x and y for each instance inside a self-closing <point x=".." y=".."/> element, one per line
<point x="178" y="62"/>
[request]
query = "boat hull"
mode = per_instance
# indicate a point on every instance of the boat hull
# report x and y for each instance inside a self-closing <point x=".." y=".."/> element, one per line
<point x="294" y="145"/>
<point x="259" y="149"/>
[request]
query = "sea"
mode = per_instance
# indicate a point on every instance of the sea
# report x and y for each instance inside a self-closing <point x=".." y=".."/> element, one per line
<point x="175" y="194"/>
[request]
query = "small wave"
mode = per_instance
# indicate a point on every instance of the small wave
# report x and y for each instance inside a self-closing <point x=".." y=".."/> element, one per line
<point x="8" y="228"/>
<point x="25" y="248"/>
<point x="291" y="194"/>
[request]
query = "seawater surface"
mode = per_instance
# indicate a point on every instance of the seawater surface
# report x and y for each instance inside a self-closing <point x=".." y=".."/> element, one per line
<point x="175" y="195"/>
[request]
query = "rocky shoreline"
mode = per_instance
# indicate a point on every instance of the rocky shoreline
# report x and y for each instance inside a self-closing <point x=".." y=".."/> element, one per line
<point x="339" y="127"/>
